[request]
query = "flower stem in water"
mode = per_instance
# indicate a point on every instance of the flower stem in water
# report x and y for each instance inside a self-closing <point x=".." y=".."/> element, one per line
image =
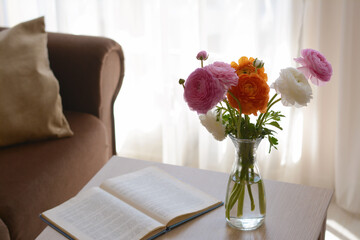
<point x="261" y="197"/>
<point x="233" y="197"/>
<point x="241" y="200"/>
<point x="251" y="197"/>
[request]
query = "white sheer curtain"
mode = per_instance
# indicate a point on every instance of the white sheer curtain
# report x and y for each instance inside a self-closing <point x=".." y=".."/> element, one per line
<point x="319" y="144"/>
<point x="333" y="28"/>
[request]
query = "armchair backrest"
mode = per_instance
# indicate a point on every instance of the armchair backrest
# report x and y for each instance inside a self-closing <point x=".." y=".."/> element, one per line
<point x="90" y="71"/>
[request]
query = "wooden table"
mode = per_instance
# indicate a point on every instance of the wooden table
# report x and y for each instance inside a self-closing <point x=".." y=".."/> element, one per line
<point x="293" y="211"/>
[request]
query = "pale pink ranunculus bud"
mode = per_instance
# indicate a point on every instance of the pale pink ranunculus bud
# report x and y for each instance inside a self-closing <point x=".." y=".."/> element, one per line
<point x="314" y="66"/>
<point x="294" y="88"/>
<point x="202" y="55"/>
<point x="224" y="73"/>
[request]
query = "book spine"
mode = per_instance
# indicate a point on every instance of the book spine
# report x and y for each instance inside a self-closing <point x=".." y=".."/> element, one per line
<point x="195" y="216"/>
<point x="56" y="228"/>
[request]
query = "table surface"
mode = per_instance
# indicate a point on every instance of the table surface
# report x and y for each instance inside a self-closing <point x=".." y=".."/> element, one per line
<point x="293" y="211"/>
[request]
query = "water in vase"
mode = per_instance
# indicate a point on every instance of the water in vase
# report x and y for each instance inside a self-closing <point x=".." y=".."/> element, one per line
<point x="248" y="212"/>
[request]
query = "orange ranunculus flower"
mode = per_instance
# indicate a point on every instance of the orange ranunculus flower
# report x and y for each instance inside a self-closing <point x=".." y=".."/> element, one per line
<point x="252" y="92"/>
<point x="245" y="66"/>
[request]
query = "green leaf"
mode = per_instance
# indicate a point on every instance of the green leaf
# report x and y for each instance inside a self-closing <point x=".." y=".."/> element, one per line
<point x="275" y="124"/>
<point x="266" y="131"/>
<point x="273" y="142"/>
<point x="274" y="116"/>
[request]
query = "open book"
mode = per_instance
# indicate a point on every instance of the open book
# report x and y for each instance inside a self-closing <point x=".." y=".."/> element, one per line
<point x="138" y="205"/>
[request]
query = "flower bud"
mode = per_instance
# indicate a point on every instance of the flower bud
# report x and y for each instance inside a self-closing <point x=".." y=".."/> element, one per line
<point x="181" y="81"/>
<point x="202" y="55"/>
<point x="258" y="63"/>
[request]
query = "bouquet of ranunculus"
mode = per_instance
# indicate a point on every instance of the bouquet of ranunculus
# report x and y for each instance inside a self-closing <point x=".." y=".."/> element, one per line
<point x="225" y="95"/>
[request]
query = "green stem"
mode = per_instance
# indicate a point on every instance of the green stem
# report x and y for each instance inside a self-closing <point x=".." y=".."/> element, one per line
<point x="267" y="110"/>
<point x="233" y="196"/>
<point x="240" y="206"/>
<point x="222" y="108"/>
<point x="231" y="113"/>
<point x="249" y="189"/>
<point x="202" y="63"/>
<point x="239" y="126"/>
<point x="262" y="205"/>
<point x="251" y="196"/>
<point x="262" y="114"/>
<point x="272" y="99"/>
<point x="232" y="199"/>
<point x="273" y="104"/>
<point x="240" y="112"/>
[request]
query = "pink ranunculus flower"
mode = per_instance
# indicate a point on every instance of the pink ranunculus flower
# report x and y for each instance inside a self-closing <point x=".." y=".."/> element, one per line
<point x="224" y="73"/>
<point x="202" y="91"/>
<point x="202" y="55"/>
<point x="314" y="66"/>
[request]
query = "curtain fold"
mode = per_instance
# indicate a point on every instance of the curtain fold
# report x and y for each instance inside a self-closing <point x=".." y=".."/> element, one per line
<point x="319" y="145"/>
<point x="347" y="164"/>
<point x="331" y="156"/>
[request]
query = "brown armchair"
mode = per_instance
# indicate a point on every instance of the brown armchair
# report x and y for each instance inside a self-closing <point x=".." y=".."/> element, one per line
<point x="37" y="176"/>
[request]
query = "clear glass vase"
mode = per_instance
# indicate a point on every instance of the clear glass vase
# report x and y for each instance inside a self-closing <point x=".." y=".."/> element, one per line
<point x="245" y="203"/>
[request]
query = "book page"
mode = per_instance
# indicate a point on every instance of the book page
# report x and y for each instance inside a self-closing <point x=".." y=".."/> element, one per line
<point x="158" y="194"/>
<point x="96" y="214"/>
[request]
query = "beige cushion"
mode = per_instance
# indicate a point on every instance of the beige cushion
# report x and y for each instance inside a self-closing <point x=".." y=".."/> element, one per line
<point x="30" y="104"/>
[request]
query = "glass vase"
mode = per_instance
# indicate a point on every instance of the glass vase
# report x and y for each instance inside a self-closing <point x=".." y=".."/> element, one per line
<point x="245" y="203"/>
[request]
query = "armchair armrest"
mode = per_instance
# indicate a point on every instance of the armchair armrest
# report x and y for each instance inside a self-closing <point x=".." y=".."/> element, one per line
<point x="4" y="231"/>
<point x="90" y="71"/>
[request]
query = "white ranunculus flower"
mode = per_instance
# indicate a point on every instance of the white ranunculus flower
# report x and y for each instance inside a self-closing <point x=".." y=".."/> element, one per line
<point x="216" y="128"/>
<point x="294" y="88"/>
